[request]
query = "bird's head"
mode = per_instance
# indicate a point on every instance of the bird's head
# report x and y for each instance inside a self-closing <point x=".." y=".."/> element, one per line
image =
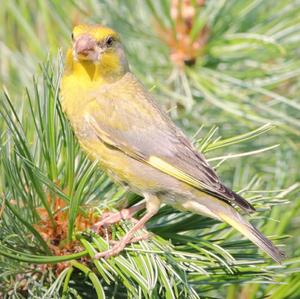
<point x="100" y="47"/>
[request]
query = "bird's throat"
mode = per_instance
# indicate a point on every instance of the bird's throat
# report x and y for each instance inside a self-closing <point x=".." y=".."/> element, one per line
<point x="107" y="70"/>
<point x="88" y="70"/>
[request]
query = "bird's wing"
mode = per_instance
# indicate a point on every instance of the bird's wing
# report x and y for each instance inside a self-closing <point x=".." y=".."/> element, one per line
<point x="125" y="117"/>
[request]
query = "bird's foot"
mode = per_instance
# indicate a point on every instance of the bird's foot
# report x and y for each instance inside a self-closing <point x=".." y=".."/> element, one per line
<point x="120" y="245"/>
<point x="109" y="218"/>
<point x="152" y="207"/>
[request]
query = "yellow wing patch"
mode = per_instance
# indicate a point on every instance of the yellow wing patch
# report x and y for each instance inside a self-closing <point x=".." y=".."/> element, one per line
<point x="173" y="171"/>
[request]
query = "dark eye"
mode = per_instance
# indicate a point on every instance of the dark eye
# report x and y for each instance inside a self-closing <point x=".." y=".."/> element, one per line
<point x="72" y="36"/>
<point x="109" y="41"/>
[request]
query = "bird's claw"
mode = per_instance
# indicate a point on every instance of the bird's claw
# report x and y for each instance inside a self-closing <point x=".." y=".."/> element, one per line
<point x="119" y="246"/>
<point x="111" y="252"/>
<point x="144" y="236"/>
<point x="109" y="218"/>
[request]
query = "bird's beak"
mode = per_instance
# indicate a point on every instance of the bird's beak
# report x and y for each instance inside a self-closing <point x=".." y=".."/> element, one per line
<point x="85" y="48"/>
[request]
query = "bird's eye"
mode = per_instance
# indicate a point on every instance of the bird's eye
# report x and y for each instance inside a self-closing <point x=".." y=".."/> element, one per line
<point x="109" y="41"/>
<point x="72" y="36"/>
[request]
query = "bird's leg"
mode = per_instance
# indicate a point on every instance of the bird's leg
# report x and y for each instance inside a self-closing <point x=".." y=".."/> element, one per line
<point x="152" y="204"/>
<point x="111" y="218"/>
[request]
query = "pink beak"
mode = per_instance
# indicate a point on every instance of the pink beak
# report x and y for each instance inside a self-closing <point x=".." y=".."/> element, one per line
<point x="85" y="45"/>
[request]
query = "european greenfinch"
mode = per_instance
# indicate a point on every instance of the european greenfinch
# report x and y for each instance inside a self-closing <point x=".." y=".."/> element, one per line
<point x="118" y="123"/>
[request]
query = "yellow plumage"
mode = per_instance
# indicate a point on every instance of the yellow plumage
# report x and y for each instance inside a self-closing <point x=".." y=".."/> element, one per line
<point x="118" y="123"/>
<point x="97" y="31"/>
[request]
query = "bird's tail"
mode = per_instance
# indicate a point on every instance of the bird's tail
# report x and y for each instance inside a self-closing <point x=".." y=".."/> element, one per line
<point x="233" y="218"/>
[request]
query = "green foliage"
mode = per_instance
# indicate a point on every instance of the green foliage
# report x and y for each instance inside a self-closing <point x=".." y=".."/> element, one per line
<point x="244" y="79"/>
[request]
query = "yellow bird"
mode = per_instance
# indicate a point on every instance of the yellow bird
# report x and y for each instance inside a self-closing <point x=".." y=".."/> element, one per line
<point x="118" y="123"/>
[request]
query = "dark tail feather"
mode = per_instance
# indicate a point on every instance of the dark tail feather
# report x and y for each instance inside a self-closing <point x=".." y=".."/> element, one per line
<point x="266" y="245"/>
<point x="253" y="234"/>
